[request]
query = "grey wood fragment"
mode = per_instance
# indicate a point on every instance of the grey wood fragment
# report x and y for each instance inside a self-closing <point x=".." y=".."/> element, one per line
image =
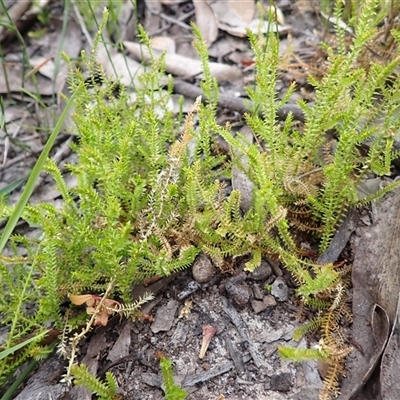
<point x="340" y="239"/>
<point x="42" y="384"/>
<point x="164" y="317"/>
<point x="91" y="360"/>
<point x="212" y="373"/>
<point x="180" y="334"/>
<point x="244" y="332"/>
<point x="151" y="379"/>
<point x="235" y="355"/>
<point x="139" y="290"/>
<point x="122" y="345"/>
<point x="235" y="103"/>
<point x="190" y="288"/>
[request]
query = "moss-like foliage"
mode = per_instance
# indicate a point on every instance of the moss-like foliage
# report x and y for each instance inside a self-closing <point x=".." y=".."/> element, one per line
<point x="105" y="390"/>
<point x="172" y="390"/>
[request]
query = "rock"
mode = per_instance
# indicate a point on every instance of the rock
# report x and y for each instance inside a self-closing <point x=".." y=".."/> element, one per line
<point x="279" y="289"/>
<point x="203" y="269"/>
<point x="262" y="272"/>
<point x="281" y="382"/>
<point x="310" y="369"/>
<point x="258" y="306"/>
<point x="268" y="301"/>
<point x="164" y="317"/>
<point x="240" y="294"/>
<point x="258" y="292"/>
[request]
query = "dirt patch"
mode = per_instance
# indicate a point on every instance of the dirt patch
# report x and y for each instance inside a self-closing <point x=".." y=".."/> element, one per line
<point x="241" y="361"/>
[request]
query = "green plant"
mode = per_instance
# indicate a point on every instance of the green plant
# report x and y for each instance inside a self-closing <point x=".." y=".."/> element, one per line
<point x="150" y="193"/>
<point x="105" y="390"/>
<point x="172" y="391"/>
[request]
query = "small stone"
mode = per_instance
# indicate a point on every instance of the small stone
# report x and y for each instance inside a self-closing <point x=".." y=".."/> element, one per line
<point x="240" y="294"/>
<point x="279" y="289"/>
<point x="258" y="292"/>
<point x="258" y="306"/>
<point x="262" y="272"/>
<point x="268" y="301"/>
<point x="202" y="269"/>
<point x="281" y="382"/>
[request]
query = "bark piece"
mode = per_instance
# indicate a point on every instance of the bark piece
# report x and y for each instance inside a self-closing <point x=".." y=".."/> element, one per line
<point x="236" y="103"/>
<point x="235" y="355"/>
<point x="91" y="360"/>
<point x="342" y="236"/>
<point x="122" y="345"/>
<point x="376" y="282"/>
<point x="212" y="373"/>
<point x="244" y="332"/>
<point x="164" y="317"/>
<point x="43" y="383"/>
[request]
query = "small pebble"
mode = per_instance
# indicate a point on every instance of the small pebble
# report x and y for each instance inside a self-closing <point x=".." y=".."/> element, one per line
<point x="203" y="269"/>
<point x="262" y="272"/>
<point x="240" y="294"/>
<point x="258" y="306"/>
<point x="268" y="301"/>
<point x="258" y="292"/>
<point x="279" y="289"/>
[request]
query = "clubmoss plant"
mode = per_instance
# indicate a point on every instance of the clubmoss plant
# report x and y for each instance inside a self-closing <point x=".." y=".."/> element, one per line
<point x="105" y="390"/>
<point x="151" y="191"/>
<point x="171" y="389"/>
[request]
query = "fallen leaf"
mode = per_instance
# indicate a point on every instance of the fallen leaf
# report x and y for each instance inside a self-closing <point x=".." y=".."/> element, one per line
<point x="162" y="43"/>
<point x="233" y="16"/>
<point x="79" y="299"/>
<point x="172" y="1"/>
<point x="206" y="21"/>
<point x="152" y="16"/>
